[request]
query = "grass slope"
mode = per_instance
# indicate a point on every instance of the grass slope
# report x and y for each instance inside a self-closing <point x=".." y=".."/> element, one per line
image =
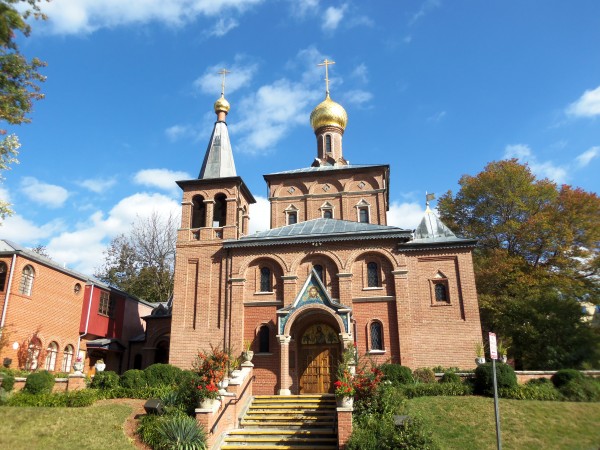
<point x="96" y="427"/>
<point x="469" y="423"/>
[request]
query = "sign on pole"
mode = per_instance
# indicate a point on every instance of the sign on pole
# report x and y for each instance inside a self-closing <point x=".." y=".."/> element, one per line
<point x="493" y="346"/>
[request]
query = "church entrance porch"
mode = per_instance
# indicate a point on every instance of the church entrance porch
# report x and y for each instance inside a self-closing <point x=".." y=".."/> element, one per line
<point x="318" y="358"/>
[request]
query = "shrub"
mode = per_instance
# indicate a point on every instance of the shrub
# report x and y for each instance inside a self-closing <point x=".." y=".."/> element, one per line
<point x="450" y="377"/>
<point x="435" y="389"/>
<point x="8" y="382"/>
<point x="40" y="399"/>
<point x="133" y="379"/>
<point x="397" y="374"/>
<point x="105" y="380"/>
<point x="147" y="429"/>
<point x="531" y="391"/>
<point x="563" y="376"/>
<point x="424" y="375"/>
<point x="162" y="374"/>
<point x="538" y="382"/>
<point x="39" y="382"/>
<point x="78" y="399"/>
<point x="378" y="432"/>
<point x="484" y="381"/>
<point x="188" y="394"/>
<point x="582" y="389"/>
<point x="180" y="432"/>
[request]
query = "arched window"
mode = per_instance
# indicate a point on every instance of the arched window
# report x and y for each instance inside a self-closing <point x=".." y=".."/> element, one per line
<point x="198" y="212"/>
<point x="265" y="280"/>
<point x="372" y="274"/>
<point x="441" y="294"/>
<point x="27" y="280"/>
<point x="292" y="217"/>
<point x="51" y="353"/>
<point x="137" y="361"/>
<point x="220" y="211"/>
<point x="328" y="143"/>
<point x="376" y="335"/>
<point x="319" y="270"/>
<point x="3" y="271"/>
<point x="363" y="215"/>
<point x="263" y="339"/>
<point x="327" y="214"/>
<point x="67" y="358"/>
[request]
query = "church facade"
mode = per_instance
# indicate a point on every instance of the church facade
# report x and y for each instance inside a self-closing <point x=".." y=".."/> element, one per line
<point x="328" y="274"/>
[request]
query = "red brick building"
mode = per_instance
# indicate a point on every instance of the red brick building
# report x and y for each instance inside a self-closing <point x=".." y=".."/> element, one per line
<point x="329" y="272"/>
<point x="58" y="314"/>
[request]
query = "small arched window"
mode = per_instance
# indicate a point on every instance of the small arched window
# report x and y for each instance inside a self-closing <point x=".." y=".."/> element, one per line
<point x="372" y="275"/>
<point x="363" y="215"/>
<point x="67" y="358"/>
<point x="263" y="339"/>
<point x="51" y="353"/>
<point x="198" y="212"/>
<point x="265" y="279"/>
<point x="328" y="143"/>
<point x="441" y="294"/>
<point x="220" y="211"/>
<point x="3" y="271"/>
<point x="319" y="270"/>
<point x="292" y="217"/>
<point x="137" y="361"/>
<point x="327" y="214"/>
<point x="27" y="281"/>
<point x="376" y="335"/>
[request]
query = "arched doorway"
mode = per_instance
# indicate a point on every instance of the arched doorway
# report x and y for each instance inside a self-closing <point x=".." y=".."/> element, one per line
<point x="318" y="358"/>
<point x="162" y="353"/>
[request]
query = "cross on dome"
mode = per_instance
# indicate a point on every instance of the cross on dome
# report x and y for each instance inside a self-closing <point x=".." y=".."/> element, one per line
<point x="326" y="63"/>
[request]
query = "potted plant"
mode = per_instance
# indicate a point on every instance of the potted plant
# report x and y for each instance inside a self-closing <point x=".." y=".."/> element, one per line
<point x="502" y="352"/>
<point x="344" y="386"/>
<point x="479" y="353"/>
<point x="100" y="366"/>
<point x="78" y="365"/>
<point x="234" y="367"/>
<point x="208" y="395"/>
<point x="247" y="354"/>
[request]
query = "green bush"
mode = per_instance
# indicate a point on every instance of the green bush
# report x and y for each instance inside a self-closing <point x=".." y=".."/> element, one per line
<point x="162" y="374"/>
<point x="79" y="399"/>
<point x="8" y="382"/>
<point x="424" y="375"/>
<point x="188" y="394"/>
<point x="583" y="389"/>
<point x="538" y="382"/>
<point x="435" y="389"/>
<point x="378" y="432"/>
<point x="450" y="377"/>
<point x="142" y="393"/>
<point x="484" y="381"/>
<point x="179" y="432"/>
<point x="397" y="374"/>
<point x="75" y="399"/>
<point x="105" y="380"/>
<point x="133" y="379"/>
<point x="529" y="391"/>
<point x="39" y="382"/>
<point x="147" y="429"/>
<point x="563" y="376"/>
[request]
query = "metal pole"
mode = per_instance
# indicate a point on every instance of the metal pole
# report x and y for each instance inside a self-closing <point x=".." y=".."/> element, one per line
<point x="496" y="410"/>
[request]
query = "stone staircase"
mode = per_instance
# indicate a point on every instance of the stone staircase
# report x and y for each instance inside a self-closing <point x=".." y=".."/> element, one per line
<point x="298" y="422"/>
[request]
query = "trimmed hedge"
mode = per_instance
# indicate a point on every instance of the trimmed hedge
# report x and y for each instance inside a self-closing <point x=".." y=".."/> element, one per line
<point x="8" y="382"/>
<point x="563" y="376"/>
<point x="450" y="377"/>
<point x="539" y="391"/>
<point x="73" y="399"/>
<point x="105" y="380"/>
<point x="484" y="380"/>
<point x="162" y="374"/>
<point x="133" y="379"/>
<point x="39" y="382"/>
<point x="435" y="389"/>
<point x="397" y="374"/>
<point x="424" y="375"/>
<point x="583" y="389"/>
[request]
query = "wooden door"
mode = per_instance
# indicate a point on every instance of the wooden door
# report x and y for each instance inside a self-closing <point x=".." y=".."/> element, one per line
<point x="318" y="365"/>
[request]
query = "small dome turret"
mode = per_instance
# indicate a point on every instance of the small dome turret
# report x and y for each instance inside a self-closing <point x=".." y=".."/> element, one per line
<point x="222" y="105"/>
<point x="328" y="113"/>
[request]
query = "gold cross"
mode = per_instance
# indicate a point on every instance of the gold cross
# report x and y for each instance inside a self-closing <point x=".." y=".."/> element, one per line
<point x="223" y="72"/>
<point x="326" y="63"/>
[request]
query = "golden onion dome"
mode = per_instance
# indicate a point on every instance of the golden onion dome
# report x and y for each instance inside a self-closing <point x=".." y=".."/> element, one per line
<point x="330" y="113"/>
<point x="222" y="105"/>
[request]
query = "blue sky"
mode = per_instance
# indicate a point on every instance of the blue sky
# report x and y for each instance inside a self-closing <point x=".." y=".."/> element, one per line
<point x="437" y="89"/>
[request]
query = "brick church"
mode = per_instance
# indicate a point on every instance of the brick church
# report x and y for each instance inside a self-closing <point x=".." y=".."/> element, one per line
<point x="328" y="273"/>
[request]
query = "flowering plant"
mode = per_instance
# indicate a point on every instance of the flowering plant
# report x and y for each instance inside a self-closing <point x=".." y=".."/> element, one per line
<point x="79" y="359"/>
<point x="344" y="388"/>
<point x="208" y="391"/>
<point x="211" y="368"/>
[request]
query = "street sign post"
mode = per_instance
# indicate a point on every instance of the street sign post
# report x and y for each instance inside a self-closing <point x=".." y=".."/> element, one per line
<point x="494" y="356"/>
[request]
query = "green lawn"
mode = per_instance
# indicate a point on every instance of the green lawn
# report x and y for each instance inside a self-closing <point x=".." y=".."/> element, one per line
<point x="469" y="423"/>
<point x="93" y="428"/>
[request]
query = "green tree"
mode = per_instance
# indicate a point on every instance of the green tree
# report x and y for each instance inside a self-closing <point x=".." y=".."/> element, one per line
<point x="142" y="262"/>
<point x="537" y="258"/>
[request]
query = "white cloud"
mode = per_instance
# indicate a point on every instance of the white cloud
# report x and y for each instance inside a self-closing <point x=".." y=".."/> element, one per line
<point x="542" y="169"/>
<point x="361" y="73"/>
<point x="49" y="195"/>
<point x="586" y="157"/>
<point x="176" y="132"/>
<point x="87" y="16"/>
<point x="4" y="195"/>
<point x="240" y="75"/>
<point x="357" y="97"/>
<point x="426" y="8"/>
<point x="98" y="185"/>
<point x="22" y="231"/>
<point x="302" y="7"/>
<point x="260" y="215"/>
<point x="332" y="17"/>
<point x="405" y="215"/>
<point x="160" y="178"/>
<point x="223" y="26"/>
<point x="588" y="105"/>
<point x="437" y="116"/>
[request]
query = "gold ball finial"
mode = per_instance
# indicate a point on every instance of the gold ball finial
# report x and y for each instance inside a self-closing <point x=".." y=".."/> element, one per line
<point x="222" y="105"/>
<point x="328" y="113"/>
